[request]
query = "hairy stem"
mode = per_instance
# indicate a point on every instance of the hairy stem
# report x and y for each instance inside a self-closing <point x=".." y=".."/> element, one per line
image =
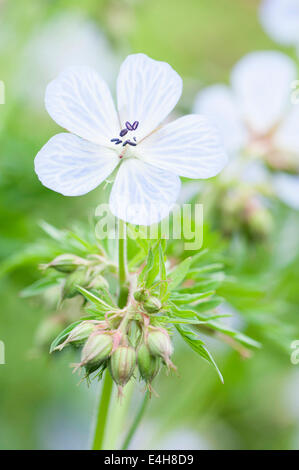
<point x="103" y="437"/>
<point x="102" y="414"/>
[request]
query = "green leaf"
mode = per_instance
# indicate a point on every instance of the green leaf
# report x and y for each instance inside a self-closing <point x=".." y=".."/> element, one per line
<point x="181" y="299"/>
<point x="38" y="287"/>
<point x="101" y="304"/>
<point x="199" y="347"/>
<point x="179" y="273"/>
<point x="63" y="335"/>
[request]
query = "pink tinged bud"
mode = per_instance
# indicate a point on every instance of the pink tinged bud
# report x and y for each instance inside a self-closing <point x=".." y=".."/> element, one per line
<point x="74" y="279"/>
<point x="152" y="305"/>
<point x="122" y="364"/>
<point x="160" y="345"/>
<point x="66" y="263"/>
<point x="148" y="364"/>
<point x="79" y="334"/>
<point x="140" y="295"/>
<point x="96" y="350"/>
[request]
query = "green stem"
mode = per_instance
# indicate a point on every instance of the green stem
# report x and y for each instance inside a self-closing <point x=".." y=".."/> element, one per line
<point x="102" y="437"/>
<point x="122" y="264"/>
<point x="102" y="414"/>
<point x="136" y="422"/>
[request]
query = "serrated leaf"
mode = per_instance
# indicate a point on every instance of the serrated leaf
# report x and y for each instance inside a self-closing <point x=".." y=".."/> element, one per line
<point x="179" y="273"/>
<point x="101" y="304"/>
<point x="38" y="287"/>
<point x="183" y="299"/>
<point x="199" y="347"/>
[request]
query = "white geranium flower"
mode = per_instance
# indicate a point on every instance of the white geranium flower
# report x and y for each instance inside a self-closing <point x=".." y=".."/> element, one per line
<point x="150" y="157"/>
<point x="256" y="115"/>
<point x="280" y="19"/>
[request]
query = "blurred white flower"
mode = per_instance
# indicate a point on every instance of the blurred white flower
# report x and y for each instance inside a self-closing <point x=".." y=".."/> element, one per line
<point x="255" y="115"/>
<point x="68" y="39"/>
<point x="287" y="187"/>
<point x="150" y="157"/>
<point x="280" y="20"/>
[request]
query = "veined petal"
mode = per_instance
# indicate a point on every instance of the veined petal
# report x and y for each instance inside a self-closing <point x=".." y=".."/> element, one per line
<point x="262" y="84"/>
<point x="287" y="189"/>
<point x="143" y="194"/>
<point x="80" y="101"/>
<point x="280" y="19"/>
<point x="287" y="135"/>
<point x="72" y="166"/>
<point x="147" y="91"/>
<point x="189" y="146"/>
<point x="218" y="103"/>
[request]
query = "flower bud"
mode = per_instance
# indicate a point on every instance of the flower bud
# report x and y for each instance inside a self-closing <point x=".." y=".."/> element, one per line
<point x="98" y="282"/>
<point x="96" y="350"/>
<point x="76" y="278"/>
<point x="160" y="344"/>
<point x="148" y="364"/>
<point x="140" y="295"/>
<point x="152" y="305"/>
<point x="122" y="364"/>
<point x="66" y="263"/>
<point x="78" y="335"/>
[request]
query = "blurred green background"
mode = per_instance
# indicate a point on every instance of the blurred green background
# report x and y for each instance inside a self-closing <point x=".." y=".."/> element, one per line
<point x="41" y="406"/>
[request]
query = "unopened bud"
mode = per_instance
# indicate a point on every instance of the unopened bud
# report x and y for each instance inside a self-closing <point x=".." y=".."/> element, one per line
<point x="122" y="364"/>
<point x="148" y="364"/>
<point x="79" y="334"/>
<point x="66" y="263"/>
<point x="140" y="295"/>
<point x="160" y="344"/>
<point x="76" y="278"/>
<point x="96" y="350"/>
<point x="152" y="305"/>
<point x="98" y="282"/>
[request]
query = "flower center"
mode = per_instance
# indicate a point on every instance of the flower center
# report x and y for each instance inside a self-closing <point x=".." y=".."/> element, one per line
<point x="123" y="136"/>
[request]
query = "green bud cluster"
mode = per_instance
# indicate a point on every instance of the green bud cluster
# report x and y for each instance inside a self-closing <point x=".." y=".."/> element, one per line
<point x="150" y="303"/>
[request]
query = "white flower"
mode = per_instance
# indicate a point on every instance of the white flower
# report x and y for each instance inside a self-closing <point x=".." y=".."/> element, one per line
<point x="150" y="157"/>
<point x="256" y="114"/>
<point x="280" y="19"/>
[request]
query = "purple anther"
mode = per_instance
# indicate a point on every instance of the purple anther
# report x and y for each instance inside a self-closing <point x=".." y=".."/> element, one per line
<point x="125" y="143"/>
<point x="116" y="141"/>
<point x="123" y="132"/>
<point x="131" y="143"/>
<point x="129" y="126"/>
<point x="134" y="138"/>
<point x="135" y="125"/>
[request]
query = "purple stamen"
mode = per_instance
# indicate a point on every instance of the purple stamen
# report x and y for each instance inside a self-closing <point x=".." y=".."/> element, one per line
<point x="135" y="125"/>
<point x="116" y="141"/>
<point x="123" y="132"/>
<point x="129" y="126"/>
<point x="129" y="142"/>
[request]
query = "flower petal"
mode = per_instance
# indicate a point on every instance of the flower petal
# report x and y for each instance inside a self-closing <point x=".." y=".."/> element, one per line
<point x="287" y="189"/>
<point x="218" y="103"/>
<point x="143" y="194"/>
<point x="80" y="101"/>
<point x="72" y="166"/>
<point x="287" y="135"/>
<point x="147" y="91"/>
<point x="262" y="83"/>
<point x="280" y="19"/>
<point x="189" y="146"/>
